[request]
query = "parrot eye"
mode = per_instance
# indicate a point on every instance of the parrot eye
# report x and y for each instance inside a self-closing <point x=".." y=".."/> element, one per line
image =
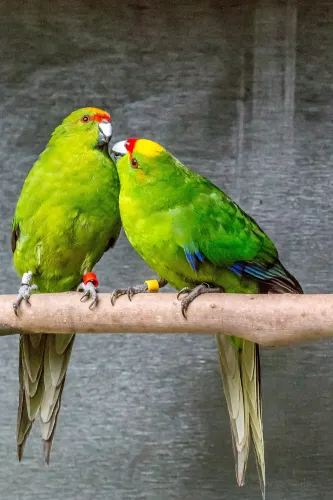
<point x="134" y="163"/>
<point x="85" y="118"/>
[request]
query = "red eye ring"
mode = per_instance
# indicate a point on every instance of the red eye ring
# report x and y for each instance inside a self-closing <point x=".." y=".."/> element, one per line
<point x="134" y="163"/>
<point x="85" y="118"/>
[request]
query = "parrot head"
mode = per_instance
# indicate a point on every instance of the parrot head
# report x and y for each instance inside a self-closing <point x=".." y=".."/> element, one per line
<point x="91" y="124"/>
<point x="144" y="162"/>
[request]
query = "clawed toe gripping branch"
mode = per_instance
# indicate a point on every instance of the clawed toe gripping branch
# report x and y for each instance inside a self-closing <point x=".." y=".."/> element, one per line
<point x="192" y="294"/>
<point x="24" y="292"/>
<point x="149" y="286"/>
<point x="89" y="288"/>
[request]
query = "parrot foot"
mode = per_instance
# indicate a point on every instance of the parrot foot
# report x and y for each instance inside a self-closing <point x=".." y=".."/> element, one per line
<point x="194" y="293"/>
<point x="24" y="291"/>
<point x="89" y="288"/>
<point x="130" y="292"/>
<point x="149" y="286"/>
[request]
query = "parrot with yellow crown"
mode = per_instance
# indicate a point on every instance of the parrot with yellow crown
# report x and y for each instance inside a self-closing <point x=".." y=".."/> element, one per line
<point x="199" y="241"/>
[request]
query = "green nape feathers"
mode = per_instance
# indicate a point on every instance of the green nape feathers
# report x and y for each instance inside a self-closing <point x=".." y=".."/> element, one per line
<point x="66" y="217"/>
<point x="190" y="232"/>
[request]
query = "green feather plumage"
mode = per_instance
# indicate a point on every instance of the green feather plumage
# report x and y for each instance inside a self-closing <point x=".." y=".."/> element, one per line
<point x="65" y="218"/>
<point x="167" y="209"/>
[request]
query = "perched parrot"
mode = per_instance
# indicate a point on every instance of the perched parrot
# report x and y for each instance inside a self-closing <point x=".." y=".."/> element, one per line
<point x="199" y="241"/>
<point x="66" y="217"/>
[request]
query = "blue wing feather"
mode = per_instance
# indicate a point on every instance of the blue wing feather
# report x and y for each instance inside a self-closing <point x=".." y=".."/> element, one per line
<point x="259" y="272"/>
<point x="272" y="279"/>
<point x="194" y="258"/>
<point x="276" y="276"/>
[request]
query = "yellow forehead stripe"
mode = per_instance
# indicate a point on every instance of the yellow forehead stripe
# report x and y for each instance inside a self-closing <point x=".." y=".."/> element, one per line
<point x="95" y="110"/>
<point x="148" y="148"/>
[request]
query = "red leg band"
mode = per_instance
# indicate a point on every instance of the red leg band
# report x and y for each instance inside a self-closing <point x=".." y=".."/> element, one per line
<point x="90" y="277"/>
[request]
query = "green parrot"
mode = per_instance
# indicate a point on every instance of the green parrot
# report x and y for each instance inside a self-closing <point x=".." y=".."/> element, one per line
<point x="199" y="241"/>
<point x="66" y="217"/>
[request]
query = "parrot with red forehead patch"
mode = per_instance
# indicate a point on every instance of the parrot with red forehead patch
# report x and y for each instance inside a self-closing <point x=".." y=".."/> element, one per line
<point x="66" y="217"/>
<point x="199" y="241"/>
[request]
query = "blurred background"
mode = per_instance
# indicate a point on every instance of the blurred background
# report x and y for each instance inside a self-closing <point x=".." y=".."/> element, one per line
<point x="240" y="91"/>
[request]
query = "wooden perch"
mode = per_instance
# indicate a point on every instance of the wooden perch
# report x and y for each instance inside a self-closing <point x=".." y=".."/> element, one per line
<point x="266" y="319"/>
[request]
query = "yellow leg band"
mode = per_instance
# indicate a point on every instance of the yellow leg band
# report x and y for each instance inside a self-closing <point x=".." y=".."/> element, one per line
<point x="153" y="285"/>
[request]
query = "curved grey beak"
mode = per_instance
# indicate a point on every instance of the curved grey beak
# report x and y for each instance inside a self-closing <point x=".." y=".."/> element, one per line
<point x="104" y="132"/>
<point x="119" y="148"/>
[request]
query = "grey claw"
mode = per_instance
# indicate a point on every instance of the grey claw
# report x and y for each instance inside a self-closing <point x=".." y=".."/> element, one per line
<point x="185" y="304"/>
<point x="130" y="292"/>
<point x="184" y="307"/>
<point x="113" y="298"/>
<point x="118" y="292"/>
<point x="24" y="291"/>
<point x="15" y="307"/>
<point x="93" y="302"/>
<point x="186" y="289"/>
<point x="89" y="291"/>
<point x="193" y="294"/>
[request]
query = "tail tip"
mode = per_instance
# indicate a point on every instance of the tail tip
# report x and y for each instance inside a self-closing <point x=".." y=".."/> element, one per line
<point x="47" y="451"/>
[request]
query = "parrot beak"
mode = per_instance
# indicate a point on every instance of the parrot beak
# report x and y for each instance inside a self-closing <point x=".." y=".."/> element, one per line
<point x="118" y="149"/>
<point x="104" y="132"/>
